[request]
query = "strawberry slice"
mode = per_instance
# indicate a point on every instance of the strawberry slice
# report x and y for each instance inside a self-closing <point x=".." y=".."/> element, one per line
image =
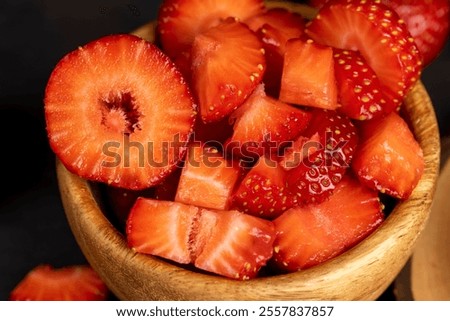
<point x="310" y="235"/>
<point x="263" y="191"/>
<point x="207" y="179"/>
<point x="427" y="21"/>
<point x="72" y="283"/>
<point x="379" y="34"/>
<point x="227" y="64"/>
<point x="318" y="175"/>
<point x="389" y="159"/>
<point x="126" y="104"/>
<point x="308" y="75"/>
<point x="360" y="93"/>
<point x="180" y="21"/>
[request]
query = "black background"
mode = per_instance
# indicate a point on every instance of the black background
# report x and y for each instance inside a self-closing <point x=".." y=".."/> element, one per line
<point x="34" y="35"/>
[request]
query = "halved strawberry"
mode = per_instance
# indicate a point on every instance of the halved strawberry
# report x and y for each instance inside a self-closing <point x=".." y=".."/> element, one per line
<point x="126" y="104"/>
<point x="263" y="124"/>
<point x="207" y="179"/>
<point x="180" y="21"/>
<point x="72" y="283"/>
<point x="379" y="34"/>
<point x="360" y="93"/>
<point x="263" y="191"/>
<point x="308" y="75"/>
<point x="318" y="175"/>
<point x="310" y="235"/>
<point x="227" y="64"/>
<point x="389" y="159"/>
<point x="428" y="22"/>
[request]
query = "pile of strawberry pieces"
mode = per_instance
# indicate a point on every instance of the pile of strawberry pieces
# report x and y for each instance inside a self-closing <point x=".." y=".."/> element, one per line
<point x="250" y="137"/>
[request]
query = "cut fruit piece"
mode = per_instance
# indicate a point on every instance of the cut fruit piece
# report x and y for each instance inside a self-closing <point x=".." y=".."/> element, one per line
<point x="287" y="22"/>
<point x="207" y="179"/>
<point x="72" y="283"/>
<point x="388" y="158"/>
<point x="379" y="34"/>
<point x="126" y="104"/>
<point x="180" y="21"/>
<point x="227" y="64"/>
<point x="308" y="236"/>
<point x="308" y="75"/>
<point x="318" y="175"/>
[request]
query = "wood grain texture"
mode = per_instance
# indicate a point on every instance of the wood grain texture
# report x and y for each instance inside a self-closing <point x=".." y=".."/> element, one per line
<point x="362" y="273"/>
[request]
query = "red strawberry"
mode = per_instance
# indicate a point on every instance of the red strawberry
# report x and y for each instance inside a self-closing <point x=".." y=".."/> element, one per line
<point x="379" y="34"/>
<point x="360" y="92"/>
<point x="227" y="64"/>
<point x="308" y="75"/>
<point x="310" y="235"/>
<point x="300" y="150"/>
<point x="126" y="104"/>
<point x="73" y="283"/>
<point x="262" y="124"/>
<point x="207" y="179"/>
<point x="318" y="175"/>
<point x="428" y="22"/>
<point x="288" y="23"/>
<point x="263" y="191"/>
<point x="180" y="21"/>
<point x="388" y="158"/>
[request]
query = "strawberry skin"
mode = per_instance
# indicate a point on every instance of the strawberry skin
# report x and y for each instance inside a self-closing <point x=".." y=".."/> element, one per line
<point x="225" y="71"/>
<point x="310" y="235"/>
<point x="126" y="103"/>
<point x="379" y="34"/>
<point x="72" y="283"/>
<point x="389" y="159"/>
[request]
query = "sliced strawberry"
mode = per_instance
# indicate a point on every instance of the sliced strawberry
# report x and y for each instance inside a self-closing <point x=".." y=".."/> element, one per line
<point x="262" y="124"/>
<point x="72" y="283"/>
<point x="180" y="21"/>
<point x="308" y="75"/>
<point x="301" y="149"/>
<point x="379" y="34"/>
<point x="227" y="64"/>
<point x="428" y="22"/>
<point x="318" y="175"/>
<point x="233" y="244"/>
<point x="360" y="93"/>
<point x="167" y="190"/>
<point x="310" y="235"/>
<point x="126" y="104"/>
<point x="263" y="191"/>
<point x="389" y="159"/>
<point x="207" y="179"/>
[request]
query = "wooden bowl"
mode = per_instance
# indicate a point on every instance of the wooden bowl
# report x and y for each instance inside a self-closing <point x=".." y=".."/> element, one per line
<point x="362" y="273"/>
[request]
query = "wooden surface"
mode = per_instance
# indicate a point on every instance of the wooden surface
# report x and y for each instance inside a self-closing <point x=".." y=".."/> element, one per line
<point x="362" y="273"/>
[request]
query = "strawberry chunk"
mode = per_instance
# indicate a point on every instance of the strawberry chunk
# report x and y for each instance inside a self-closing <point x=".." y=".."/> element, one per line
<point x="310" y="235"/>
<point x="71" y="283"/>
<point x="389" y="159"/>
<point x="308" y="75"/>
<point x="113" y="110"/>
<point x="224" y="71"/>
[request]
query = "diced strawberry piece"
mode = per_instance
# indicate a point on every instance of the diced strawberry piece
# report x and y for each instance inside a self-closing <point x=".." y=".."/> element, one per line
<point x="167" y="190"/>
<point x="113" y="106"/>
<point x="427" y="21"/>
<point x="360" y="93"/>
<point x="233" y="244"/>
<point x="72" y="283"/>
<point x="310" y="235"/>
<point x="389" y="159"/>
<point x="207" y="179"/>
<point x="379" y="34"/>
<point x="180" y="21"/>
<point x="263" y="191"/>
<point x="162" y="228"/>
<point x="227" y="64"/>
<point x="318" y="175"/>
<point x="262" y="124"/>
<point x="308" y="75"/>
<point x="301" y="149"/>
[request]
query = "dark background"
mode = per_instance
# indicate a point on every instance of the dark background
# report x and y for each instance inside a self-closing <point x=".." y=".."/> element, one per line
<point x="34" y="35"/>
